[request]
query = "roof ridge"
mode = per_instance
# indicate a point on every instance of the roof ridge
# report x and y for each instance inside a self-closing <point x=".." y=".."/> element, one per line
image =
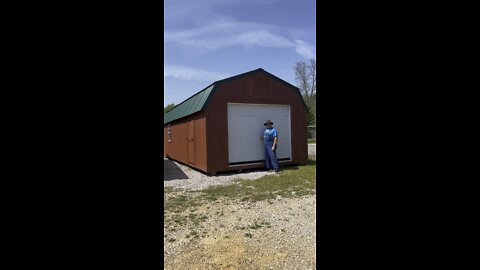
<point x="201" y="103"/>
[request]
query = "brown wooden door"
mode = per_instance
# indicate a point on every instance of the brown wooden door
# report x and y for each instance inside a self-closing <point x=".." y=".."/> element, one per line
<point x="191" y="141"/>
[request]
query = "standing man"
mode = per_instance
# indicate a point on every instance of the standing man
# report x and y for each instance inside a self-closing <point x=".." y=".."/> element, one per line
<point x="270" y="138"/>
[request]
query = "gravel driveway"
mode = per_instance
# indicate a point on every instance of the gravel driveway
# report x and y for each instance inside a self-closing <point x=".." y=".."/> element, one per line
<point x="177" y="175"/>
<point x="278" y="234"/>
<point x="285" y="238"/>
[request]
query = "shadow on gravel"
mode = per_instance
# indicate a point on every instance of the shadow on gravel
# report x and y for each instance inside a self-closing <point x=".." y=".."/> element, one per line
<point x="171" y="171"/>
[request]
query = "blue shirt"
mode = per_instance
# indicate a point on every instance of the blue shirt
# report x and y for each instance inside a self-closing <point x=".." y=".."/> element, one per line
<point x="269" y="134"/>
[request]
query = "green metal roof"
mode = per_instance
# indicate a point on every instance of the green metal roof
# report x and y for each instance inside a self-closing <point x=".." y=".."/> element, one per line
<point x="192" y="105"/>
<point x="199" y="101"/>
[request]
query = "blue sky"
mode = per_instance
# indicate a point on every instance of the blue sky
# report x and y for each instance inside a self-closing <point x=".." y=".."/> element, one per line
<point x="210" y="40"/>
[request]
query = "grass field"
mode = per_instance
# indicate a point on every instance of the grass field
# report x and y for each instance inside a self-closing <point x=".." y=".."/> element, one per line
<point x="291" y="182"/>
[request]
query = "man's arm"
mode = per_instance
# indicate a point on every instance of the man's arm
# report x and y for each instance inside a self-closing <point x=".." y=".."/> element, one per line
<point x="275" y="139"/>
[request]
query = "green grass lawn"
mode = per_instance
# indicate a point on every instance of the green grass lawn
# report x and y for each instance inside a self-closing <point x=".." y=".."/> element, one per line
<point x="292" y="181"/>
<point x="312" y="140"/>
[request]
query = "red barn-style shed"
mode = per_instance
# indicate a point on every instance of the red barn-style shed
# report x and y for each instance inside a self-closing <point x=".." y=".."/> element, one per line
<point x="219" y="128"/>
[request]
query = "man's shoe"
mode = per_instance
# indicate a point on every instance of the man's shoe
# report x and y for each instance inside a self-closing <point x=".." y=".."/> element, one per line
<point x="277" y="170"/>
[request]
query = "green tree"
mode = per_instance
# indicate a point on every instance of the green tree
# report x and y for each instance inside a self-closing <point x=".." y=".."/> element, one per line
<point x="168" y="108"/>
<point x="310" y="118"/>
<point x="313" y="110"/>
<point x="306" y="77"/>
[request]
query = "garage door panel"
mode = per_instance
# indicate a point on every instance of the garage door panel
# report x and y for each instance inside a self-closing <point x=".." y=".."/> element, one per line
<point x="253" y="139"/>
<point x="235" y="140"/>
<point x="245" y="127"/>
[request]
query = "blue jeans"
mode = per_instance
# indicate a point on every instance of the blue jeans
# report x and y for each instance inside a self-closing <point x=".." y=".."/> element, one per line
<point x="270" y="156"/>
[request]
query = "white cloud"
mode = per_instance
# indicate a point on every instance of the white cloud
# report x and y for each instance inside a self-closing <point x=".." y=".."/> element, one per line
<point x="190" y="11"/>
<point x="304" y="49"/>
<point x="176" y="11"/>
<point x="209" y="33"/>
<point x="261" y="38"/>
<point x="226" y="32"/>
<point x="188" y="73"/>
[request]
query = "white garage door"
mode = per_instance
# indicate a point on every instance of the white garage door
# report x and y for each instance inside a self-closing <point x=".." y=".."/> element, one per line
<point x="245" y="127"/>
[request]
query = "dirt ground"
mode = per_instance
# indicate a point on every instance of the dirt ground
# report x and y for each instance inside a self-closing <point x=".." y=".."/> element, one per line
<point x="240" y="235"/>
